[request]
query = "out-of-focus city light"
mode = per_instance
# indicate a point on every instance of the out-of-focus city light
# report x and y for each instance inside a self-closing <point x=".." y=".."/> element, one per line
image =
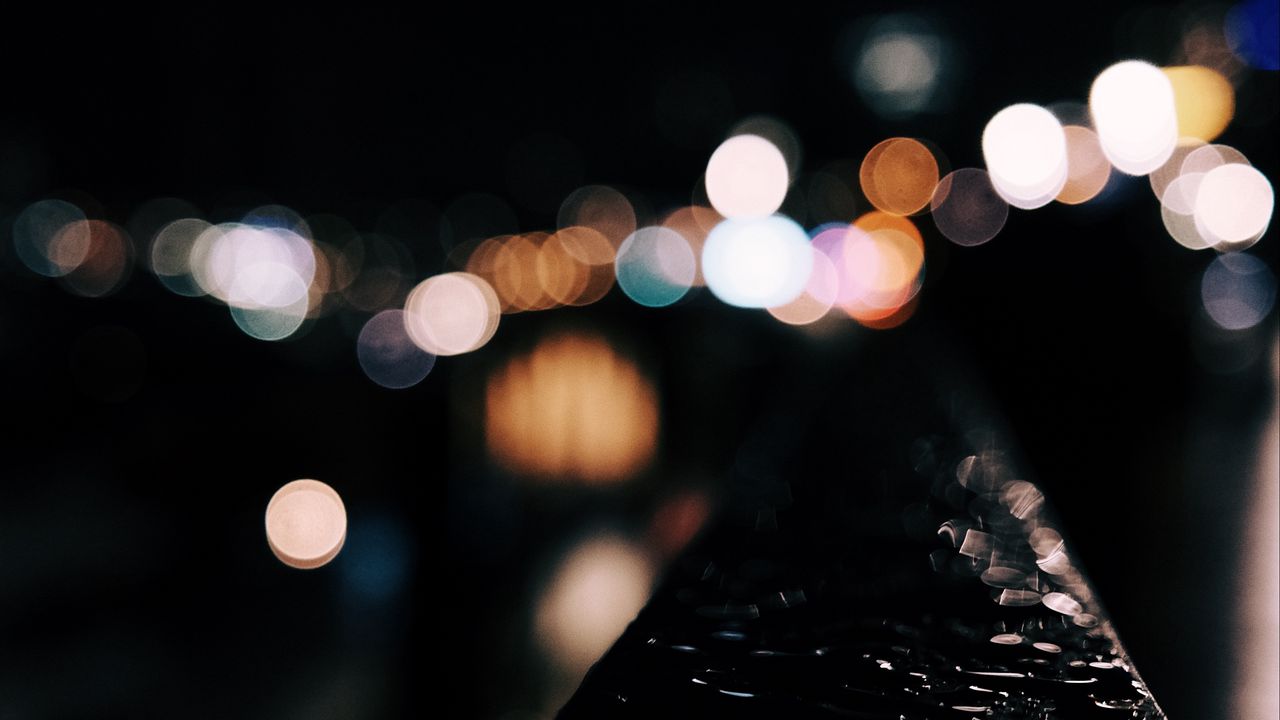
<point x="1204" y="101"/>
<point x="103" y="257"/>
<point x="451" y="314"/>
<point x="171" y="255"/>
<point x="819" y="294"/>
<point x="1233" y="205"/>
<point x="598" y="588"/>
<point x="655" y="266"/>
<point x="1204" y="158"/>
<point x="899" y="66"/>
<point x="678" y="520"/>
<point x="757" y="262"/>
<point x="388" y="355"/>
<point x="594" y="254"/>
<point x="1087" y="168"/>
<point x="1172" y="169"/>
<point x="1025" y="149"/>
<point x="1238" y="290"/>
<point x="275" y="323"/>
<point x="694" y="223"/>
<point x="966" y="208"/>
<point x="600" y="208"/>
<point x="50" y="237"/>
<point x="1135" y="116"/>
<point x="747" y="177"/>
<point x="1257" y="671"/>
<point x="571" y="410"/>
<point x="1177" y="210"/>
<point x="777" y="132"/>
<point x="253" y="267"/>
<point x="899" y="176"/>
<point x="1253" y="30"/>
<point x="306" y="524"/>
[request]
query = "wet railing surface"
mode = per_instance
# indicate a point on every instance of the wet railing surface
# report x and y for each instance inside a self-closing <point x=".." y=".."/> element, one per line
<point x="880" y="555"/>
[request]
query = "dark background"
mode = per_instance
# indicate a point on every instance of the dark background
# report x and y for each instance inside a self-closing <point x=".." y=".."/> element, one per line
<point x="134" y="579"/>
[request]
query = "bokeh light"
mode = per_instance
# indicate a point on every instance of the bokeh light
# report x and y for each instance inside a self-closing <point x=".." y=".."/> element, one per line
<point x="1087" y="167"/>
<point x="1233" y="205"/>
<point x="388" y="355"/>
<point x="777" y="132"/>
<point x="747" y="177"/>
<point x="1172" y="169"/>
<point x="1135" y="116"/>
<point x="597" y="589"/>
<point x="900" y="66"/>
<point x="1025" y="149"/>
<point x="171" y="255"/>
<point x="1204" y="101"/>
<point x="966" y="208"/>
<point x="594" y="254"/>
<point x="306" y="524"/>
<point x="452" y="313"/>
<point x="571" y="410"/>
<point x="41" y="241"/>
<point x="1238" y="290"/>
<point x="1177" y="210"/>
<point x="694" y="223"/>
<point x="655" y="266"/>
<point x="601" y="208"/>
<point x="757" y="262"/>
<point x="819" y="294"/>
<point x="98" y="253"/>
<point x="899" y="176"/>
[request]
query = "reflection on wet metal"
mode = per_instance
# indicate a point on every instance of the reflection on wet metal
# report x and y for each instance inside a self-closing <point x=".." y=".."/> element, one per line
<point x="923" y="576"/>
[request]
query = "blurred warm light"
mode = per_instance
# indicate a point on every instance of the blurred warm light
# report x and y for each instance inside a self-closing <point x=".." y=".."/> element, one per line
<point x="306" y="524"/>
<point x="388" y="355"/>
<point x="1204" y="101"/>
<point x="757" y="262"/>
<point x="899" y="66"/>
<point x="1172" y="169"/>
<point x="171" y="255"/>
<point x="747" y="177"/>
<point x="572" y="409"/>
<point x="1233" y="205"/>
<point x="1062" y="603"/>
<point x="1026" y="154"/>
<point x="1257" y="692"/>
<point x="966" y="208"/>
<point x="1177" y="210"/>
<point x="50" y="237"/>
<point x="899" y="176"/>
<point x="98" y="253"/>
<point x="561" y="275"/>
<point x="819" y="294"/>
<point x="694" y="223"/>
<point x="1133" y="110"/>
<point x="1204" y="158"/>
<point x="600" y="208"/>
<point x="452" y="313"/>
<point x="514" y="273"/>
<point x="777" y="132"/>
<point x="677" y="521"/>
<point x="598" y="588"/>
<point x="1238" y="290"/>
<point x="1087" y="168"/>
<point x="594" y="254"/>
<point x="655" y="266"/>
